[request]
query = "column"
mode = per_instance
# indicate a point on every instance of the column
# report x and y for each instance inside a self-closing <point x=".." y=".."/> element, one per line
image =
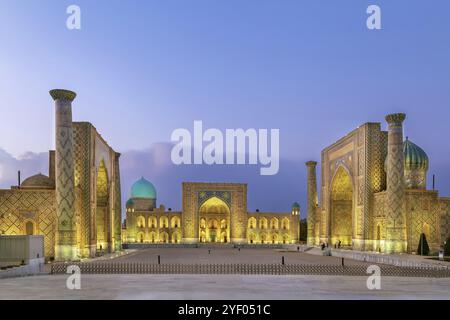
<point x="396" y="222"/>
<point x="312" y="201"/>
<point x="66" y="243"/>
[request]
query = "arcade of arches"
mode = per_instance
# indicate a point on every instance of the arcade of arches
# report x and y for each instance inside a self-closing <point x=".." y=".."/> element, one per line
<point x="218" y="215"/>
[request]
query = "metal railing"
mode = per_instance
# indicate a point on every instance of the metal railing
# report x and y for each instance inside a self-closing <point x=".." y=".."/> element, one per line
<point x="111" y="267"/>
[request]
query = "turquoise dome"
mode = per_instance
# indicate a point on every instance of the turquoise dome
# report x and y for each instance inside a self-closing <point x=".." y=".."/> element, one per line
<point x="130" y="203"/>
<point x="415" y="157"/>
<point x="295" y="205"/>
<point x="143" y="189"/>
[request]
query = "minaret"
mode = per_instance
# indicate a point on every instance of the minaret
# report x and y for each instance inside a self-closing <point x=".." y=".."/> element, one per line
<point x="396" y="222"/>
<point x="66" y="244"/>
<point x="312" y="201"/>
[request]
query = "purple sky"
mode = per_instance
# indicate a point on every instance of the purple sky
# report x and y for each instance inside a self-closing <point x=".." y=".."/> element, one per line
<point x="142" y="69"/>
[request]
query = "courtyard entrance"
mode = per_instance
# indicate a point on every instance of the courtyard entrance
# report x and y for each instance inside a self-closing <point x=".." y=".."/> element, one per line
<point x="341" y="208"/>
<point x="214" y="215"/>
<point x="102" y="220"/>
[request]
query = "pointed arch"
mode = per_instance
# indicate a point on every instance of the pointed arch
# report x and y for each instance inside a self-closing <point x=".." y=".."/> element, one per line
<point x="215" y="219"/>
<point x="342" y="207"/>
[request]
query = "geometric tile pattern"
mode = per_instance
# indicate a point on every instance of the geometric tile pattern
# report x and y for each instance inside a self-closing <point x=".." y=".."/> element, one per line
<point x="445" y="219"/>
<point x="65" y="185"/>
<point x="38" y="206"/>
<point x="237" y="195"/>
<point x="383" y="217"/>
<point x="422" y="217"/>
<point x="82" y="154"/>
<point x="396" y="222"/>
<point x="203" y="196"/>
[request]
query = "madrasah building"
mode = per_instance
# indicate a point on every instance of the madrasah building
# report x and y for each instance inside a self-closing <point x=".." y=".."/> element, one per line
<point x="77" y="207"/>
<point x="212" y="213"/>
<point x="374" y="193"/>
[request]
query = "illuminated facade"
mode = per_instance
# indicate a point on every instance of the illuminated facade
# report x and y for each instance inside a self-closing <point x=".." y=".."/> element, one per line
<point x="212" y="213"/>
<point x="373" y="193"/>
<point x="77" y="207"/>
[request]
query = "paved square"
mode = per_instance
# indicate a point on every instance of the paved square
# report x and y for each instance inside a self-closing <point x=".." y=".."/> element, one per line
<point x="230" y="255"/>
<point x="233" y="287"/>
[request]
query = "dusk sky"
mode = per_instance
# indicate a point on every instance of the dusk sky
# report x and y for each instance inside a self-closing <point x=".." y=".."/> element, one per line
<point x="142" y="69"/>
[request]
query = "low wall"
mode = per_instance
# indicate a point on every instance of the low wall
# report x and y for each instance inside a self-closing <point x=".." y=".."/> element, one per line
<point x="34" y="267"/>
<point x="17" y="250"/>
<point x="399" y="261"/>
<point x="198" y="245"/>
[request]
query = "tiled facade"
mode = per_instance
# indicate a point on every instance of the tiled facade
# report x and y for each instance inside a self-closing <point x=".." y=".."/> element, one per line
<point x="373" y="194"/>
<point x="77" y="207"/>
<point x="212" y="213"/>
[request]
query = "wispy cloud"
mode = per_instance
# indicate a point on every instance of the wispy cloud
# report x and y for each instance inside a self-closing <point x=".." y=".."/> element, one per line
<point x="29" y="164"/>
<point x="267" y="193"/>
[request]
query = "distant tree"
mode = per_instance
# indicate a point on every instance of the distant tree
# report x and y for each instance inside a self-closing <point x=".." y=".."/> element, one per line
<point x="303" y="230"/>
<point x="423" y="249"/>
<point x="447" y="246"/>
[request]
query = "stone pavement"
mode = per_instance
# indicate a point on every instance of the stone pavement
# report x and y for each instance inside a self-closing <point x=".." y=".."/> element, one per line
<point x="229" y="255"/>
<point x="392" y="259"/>
<point x="186" y="287"/>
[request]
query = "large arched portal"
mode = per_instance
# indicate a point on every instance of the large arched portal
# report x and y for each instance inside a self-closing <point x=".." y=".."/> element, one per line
<point x="341" y="208"/>
<point x="215" y="221"/>
<point x="102" y="220"/>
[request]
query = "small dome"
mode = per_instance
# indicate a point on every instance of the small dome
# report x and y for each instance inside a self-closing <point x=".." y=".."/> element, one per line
<point x="38" y="181"/>
<point x="295" y="205"/>
<point x="415" y="157"/>
<point x="130" y="203"/>
<point x="143" y="189"/>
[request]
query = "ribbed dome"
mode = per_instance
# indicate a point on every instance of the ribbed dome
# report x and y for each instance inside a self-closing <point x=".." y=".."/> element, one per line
<point x="38" y="181"/>
<point x="130" y="203"/>
<point x="143" y="189"/>
<point x="415" y="157"/>
<point x="295" y="205"/>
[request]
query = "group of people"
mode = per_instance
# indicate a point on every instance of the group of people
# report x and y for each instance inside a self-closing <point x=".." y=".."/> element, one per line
<point x="337" y="245"/>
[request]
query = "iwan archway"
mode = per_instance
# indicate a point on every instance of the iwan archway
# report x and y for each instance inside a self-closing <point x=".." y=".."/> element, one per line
<point x="214" y="217"/>
<point x="102" y="220"/>
<point x="341" y="208"/>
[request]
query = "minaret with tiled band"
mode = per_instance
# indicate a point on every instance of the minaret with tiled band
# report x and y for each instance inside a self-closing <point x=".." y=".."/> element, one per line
<point x="312" y="201"/>
<point x="66" y="244"/>
<point x="396" y="220"/>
